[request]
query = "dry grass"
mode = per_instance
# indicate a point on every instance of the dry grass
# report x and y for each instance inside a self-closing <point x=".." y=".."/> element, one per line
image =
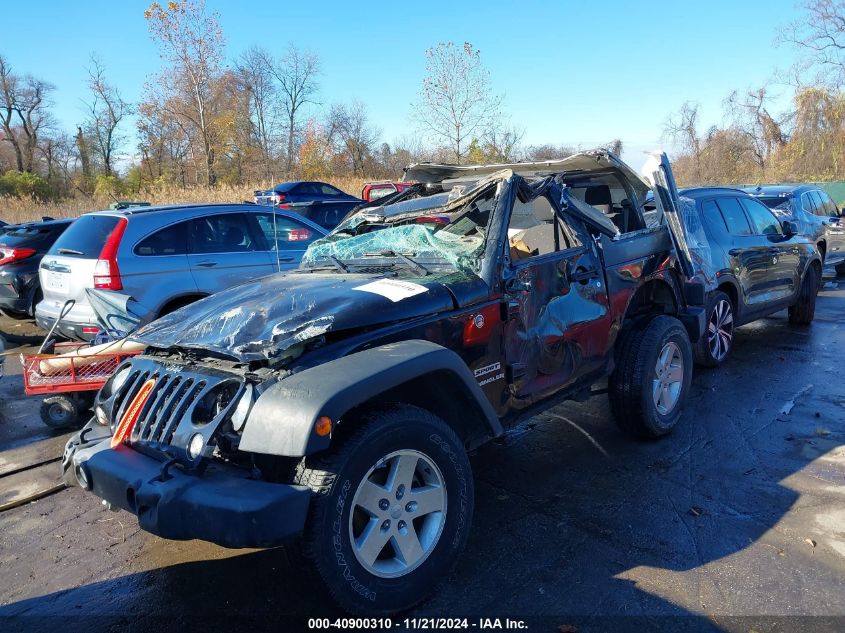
<point x="24" y="210"/>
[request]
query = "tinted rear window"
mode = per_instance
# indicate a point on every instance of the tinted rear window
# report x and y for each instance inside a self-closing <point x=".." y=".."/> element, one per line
<point x="171" y="240"/>
<point x="86" y="237"/>
<point x="27" y="235"/>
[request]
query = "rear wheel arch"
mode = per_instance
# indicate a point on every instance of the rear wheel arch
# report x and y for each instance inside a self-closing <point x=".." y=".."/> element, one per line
<point x="654" y="297"/>
<point x="179" y="302"/>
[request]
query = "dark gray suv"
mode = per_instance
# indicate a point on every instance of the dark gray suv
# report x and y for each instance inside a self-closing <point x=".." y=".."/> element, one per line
<point x="815" y="213"/>
<point x="165" y="257"/>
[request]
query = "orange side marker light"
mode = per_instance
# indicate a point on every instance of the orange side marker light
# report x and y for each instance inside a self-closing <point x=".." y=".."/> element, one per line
<point x="131" y="415"/>
<point x="323" y="426"/>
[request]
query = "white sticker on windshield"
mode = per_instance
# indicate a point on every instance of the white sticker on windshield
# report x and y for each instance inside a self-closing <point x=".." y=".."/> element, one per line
<point x="393" y="289"/>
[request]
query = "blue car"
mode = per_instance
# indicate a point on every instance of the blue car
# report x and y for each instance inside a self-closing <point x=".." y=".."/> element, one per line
<point x="302" y="191"/>
<point x="319" y="202"/>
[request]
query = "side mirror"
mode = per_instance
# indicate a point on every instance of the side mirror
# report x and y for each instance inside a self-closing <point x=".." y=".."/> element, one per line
<point x="789" y="228"/>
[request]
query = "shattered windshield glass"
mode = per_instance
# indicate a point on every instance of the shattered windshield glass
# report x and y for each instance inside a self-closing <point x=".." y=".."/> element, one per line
<point x="431" y="231"/>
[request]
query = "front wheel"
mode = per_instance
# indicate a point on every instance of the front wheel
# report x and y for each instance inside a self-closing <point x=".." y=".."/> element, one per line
<point x="649" y="386"/>
<point x="391" y="510"/>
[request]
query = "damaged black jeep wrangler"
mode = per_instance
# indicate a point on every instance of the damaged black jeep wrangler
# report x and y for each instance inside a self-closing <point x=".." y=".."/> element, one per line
<point x="337" y="402"/>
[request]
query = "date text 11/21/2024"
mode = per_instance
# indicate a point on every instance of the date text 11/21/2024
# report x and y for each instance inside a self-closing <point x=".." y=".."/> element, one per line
<point x="434" y="624"/>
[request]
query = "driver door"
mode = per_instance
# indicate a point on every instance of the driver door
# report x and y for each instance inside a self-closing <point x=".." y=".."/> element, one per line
<point x="557" y="306"/>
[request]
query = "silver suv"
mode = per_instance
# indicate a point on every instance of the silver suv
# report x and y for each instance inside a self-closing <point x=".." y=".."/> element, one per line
<point x="165" y="257"/>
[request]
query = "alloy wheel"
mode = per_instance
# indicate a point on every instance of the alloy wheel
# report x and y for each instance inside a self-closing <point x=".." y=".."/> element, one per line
<point x="398" y="513"/>
<point x="668" y="378"/>
<point x="720" y="329"/>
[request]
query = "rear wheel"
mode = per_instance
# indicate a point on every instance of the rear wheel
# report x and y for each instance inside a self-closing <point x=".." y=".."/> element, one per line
<point x="804" y="310"/>
<point x="391" y="510"/>
<point x="714" y="346"/>
<point x="652" y="377"/>
<point x="840" y="269"/>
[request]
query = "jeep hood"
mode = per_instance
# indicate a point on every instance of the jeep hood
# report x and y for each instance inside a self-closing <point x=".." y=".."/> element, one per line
<point x="263" y="319"/>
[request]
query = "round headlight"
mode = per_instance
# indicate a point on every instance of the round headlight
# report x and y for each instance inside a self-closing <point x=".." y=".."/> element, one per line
<point x="119" y="379"/>
<point x="102" y="418"/>
<point x="195" y="445"/>
<point x="242" y="410"/>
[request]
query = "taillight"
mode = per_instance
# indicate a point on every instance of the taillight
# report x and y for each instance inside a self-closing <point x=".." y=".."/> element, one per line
<point x="298" y="235"/>
<point x="432" y="219"/>
<point x="106" y="272"/>
<point x="10" y="255"/>
<point x="279" y="198"/>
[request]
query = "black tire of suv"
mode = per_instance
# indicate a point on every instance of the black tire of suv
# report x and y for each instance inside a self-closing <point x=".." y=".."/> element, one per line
<point x="334" y="478"/>
<point x="59" y="412"/>
<point x="701" y="349"/>
<point x="840" y="270"/>
<point x="629" y="387"/>
<point x="804" y="310"/>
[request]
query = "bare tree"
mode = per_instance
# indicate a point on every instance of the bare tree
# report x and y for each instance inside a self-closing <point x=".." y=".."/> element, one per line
<point x="9" y="96"/>
<point x="349" y="126"/>
<point x="821" y="34"/>
<point x="682" y="129"/>
<point x="456" y="102"/>
<point x="33" y="111"/>
<point x="106" y="111"/>
<point x="263" y="103"/>
<point x="296" y="73"/>
<point x="749" y="115"/>
<point x="192" y="40"/>
<point x="24" y="113"/>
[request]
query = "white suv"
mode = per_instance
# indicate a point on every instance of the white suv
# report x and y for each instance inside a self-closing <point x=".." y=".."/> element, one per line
<point x="165" y="257"/>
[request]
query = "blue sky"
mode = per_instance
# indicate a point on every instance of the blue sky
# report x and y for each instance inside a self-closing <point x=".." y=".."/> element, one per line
<point x="572" y="72"/>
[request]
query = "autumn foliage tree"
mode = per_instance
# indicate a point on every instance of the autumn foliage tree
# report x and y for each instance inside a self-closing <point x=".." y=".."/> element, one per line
<point x="192" y="42"/>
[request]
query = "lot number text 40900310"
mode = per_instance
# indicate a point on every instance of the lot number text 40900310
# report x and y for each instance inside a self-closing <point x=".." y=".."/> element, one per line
<point x="376" y="624"/>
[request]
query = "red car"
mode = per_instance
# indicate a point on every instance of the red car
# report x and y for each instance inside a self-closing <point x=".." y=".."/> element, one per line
<point x="381" y="188"/>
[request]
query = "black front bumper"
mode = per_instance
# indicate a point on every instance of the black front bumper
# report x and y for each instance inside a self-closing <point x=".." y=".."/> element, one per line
<point x="221" y="505"/>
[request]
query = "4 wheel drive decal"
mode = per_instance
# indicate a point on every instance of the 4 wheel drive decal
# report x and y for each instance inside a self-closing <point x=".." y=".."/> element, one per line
<point x="132" y="412"/>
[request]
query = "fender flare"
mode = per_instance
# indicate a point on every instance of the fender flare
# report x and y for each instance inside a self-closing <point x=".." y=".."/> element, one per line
<point x="283" y="417"/>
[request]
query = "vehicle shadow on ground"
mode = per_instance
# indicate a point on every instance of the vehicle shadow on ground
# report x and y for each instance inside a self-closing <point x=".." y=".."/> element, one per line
<point x="578" y="525"/>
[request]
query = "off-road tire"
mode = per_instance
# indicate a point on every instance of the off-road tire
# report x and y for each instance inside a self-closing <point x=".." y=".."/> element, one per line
<point x="804" y="310"/>
<point x="630" y="385"/>
<point x="703" y="354"/>
<point x="334" y="478"/>
<point x="59" y="412"/>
